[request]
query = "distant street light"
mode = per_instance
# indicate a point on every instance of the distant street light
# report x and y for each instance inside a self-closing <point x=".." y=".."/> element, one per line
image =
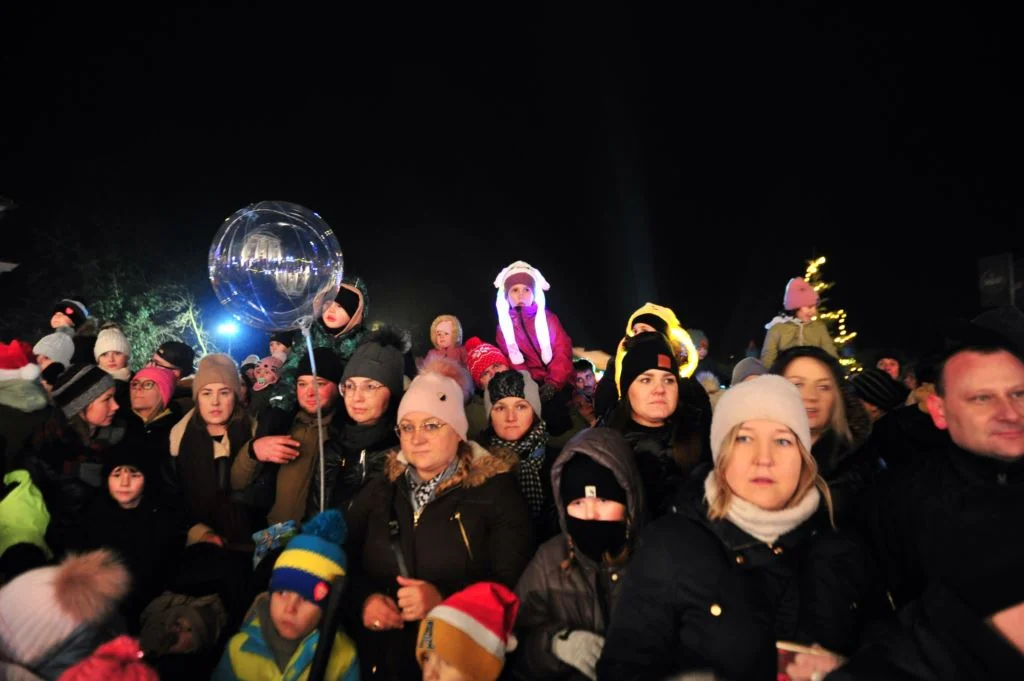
<point x="228" y="329"/>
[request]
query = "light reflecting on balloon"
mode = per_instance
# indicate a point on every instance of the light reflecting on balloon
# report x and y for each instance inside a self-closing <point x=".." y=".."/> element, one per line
<point x="272" y="262"/>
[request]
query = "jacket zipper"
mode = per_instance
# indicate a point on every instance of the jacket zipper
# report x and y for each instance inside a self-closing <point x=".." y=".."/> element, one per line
<point x="465" y="538"/>
<point x="362" y="466"/>
<point x="416" y="517"/>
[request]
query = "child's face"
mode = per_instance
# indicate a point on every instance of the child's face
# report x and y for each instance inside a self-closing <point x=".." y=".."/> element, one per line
<point x="112" y="360"/>
<point x="60" y="319"/>
<point x="436" y="669"/>
<point x="293" y="616"/>
<point x="126" y="484"/>
<point x="807" y="313"/>
<point x="264" y="374"/>
<point x="520" y="295"/>
<point x="335" y="316"/>
<point x="443" y="335"/>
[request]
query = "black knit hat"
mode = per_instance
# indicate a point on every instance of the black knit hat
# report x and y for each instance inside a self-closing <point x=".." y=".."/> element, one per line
<point x="653" y="320"/>
<point x="876" y="387"/>
<point x="52" y="372"/>
<point x="285" y="338"/>
<point x="643" y="352"/>
<point x="380" y="356"/>
<point x="78" y="386"/>
<point x="513" y="383"/>
<point x="583" y="477"/>
<point x="179" y="355"/>
<point x="348" y="298"/>
<point x="133" y="452"/>
<point x="76" y="310"/>
<point x="328" y="365"/>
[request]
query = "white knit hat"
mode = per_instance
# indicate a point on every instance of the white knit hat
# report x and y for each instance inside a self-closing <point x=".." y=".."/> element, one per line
<point x="520" y="267"/>
<point x="769" y="398"/>
<point x="41" y="608"/>
<point x="111" y="339"/>
<point x="57" y="346"/>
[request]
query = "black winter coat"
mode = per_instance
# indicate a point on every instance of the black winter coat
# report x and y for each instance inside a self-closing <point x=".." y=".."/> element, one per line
<point x="703" y="595"/>
<point x="352" y="457"/>
<point x="562" y="588"/>
<point x="477" y="528"/>
<point x="940" y="639"/>
<point x="934" y="519"/>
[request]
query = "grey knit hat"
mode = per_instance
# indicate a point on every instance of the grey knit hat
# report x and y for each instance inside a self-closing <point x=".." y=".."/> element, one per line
<point x="80" y="385"/>
<point x="380" y="357"/>
<point x="57" y="346"/>
<point x="745" y="368"/>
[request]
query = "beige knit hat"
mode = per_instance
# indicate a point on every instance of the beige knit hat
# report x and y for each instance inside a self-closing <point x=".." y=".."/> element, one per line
<point x="771" y="398"/>
<point x="217" y="368"/>
<point x="439" y="390"/>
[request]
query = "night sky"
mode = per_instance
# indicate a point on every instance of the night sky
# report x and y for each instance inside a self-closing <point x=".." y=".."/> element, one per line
<point x="694" y="159"/>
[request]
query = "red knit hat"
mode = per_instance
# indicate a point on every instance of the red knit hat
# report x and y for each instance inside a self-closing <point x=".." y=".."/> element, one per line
<point x="16" y="362"/>
<point x="117" y="660"/>
<point x="471" y="630"/>
<point x="481" y="356"/>
<point x="799" y="294"/>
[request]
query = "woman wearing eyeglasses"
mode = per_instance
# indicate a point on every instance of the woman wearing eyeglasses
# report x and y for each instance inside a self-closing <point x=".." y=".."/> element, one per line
<point x="153" y="411"/>
<point x="371" y="388"/>
<point x="447" y="513"/>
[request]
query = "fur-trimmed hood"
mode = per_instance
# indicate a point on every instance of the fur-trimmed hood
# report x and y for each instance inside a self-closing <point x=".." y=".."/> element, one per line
<point x="476" y="465"/>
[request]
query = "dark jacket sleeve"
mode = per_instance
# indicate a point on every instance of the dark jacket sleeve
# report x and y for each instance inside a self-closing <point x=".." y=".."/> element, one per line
<point x="510" y="541"/>
<point x="359" y="586"/>
<point x="641" y="640"/>
<point x="537" y="623"/>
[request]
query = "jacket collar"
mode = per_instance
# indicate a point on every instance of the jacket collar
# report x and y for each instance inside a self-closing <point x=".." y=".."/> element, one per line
<point x="476" y="466"/>
<point x="985" y="470"/>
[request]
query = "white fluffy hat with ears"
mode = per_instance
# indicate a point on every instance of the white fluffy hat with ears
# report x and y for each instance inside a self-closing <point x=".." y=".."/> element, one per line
<point x="541" y="322"/>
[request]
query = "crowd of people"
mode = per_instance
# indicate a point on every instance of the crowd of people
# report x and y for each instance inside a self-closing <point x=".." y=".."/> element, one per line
<point x="507" y="510"/>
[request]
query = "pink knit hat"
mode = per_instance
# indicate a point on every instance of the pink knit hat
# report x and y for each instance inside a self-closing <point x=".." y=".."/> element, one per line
<point x="799" y="294"/>
<point x="164" y="379"/>
<point x="439" y="390"/>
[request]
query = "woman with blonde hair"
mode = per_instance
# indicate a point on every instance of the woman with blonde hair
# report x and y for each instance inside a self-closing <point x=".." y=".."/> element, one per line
<point x="714" y="586"/>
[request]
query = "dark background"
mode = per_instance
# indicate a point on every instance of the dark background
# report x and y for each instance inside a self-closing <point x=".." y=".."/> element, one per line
<point x="695" y="158"/>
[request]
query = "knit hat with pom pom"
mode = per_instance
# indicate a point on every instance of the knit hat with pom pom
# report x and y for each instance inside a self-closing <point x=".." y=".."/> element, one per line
<point x="440" y="389"/>
<point x="43" y="608"/>
<point x="16" y="362"/>
<point x="313" y="559"/>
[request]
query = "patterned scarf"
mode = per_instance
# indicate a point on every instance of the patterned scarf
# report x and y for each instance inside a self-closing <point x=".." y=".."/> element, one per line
<point x="422" y="493"/>
<point x="531" y="449"/>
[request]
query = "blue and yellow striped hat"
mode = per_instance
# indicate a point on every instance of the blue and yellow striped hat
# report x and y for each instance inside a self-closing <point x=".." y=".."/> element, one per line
<point x="313" y="559"/>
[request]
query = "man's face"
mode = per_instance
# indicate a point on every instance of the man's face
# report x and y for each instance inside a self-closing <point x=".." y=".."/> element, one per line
<point x="157" y="361"/>
<point x="585" y="381"/>
<point x="702" y="349"/>
<point x="890" y="366"/>
<point x="983" y="406"/>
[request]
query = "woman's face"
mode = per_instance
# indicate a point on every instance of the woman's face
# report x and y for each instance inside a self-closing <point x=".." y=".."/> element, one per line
<point x="817" y="387"/>
<point x="653" y="397"/>
<point x="511" y="418"/>
<point x="335" y="316"/>
<point x="443" y="335"/>
<point x="216" y="403"/>
<point x="890" y="366"/>
<point x="366" y="400"/>
<point x="764" y="464"/>
<point x="145" y="396"/>
<point x="592" y="508"/>
<point x="100" y="411"/>
<point x="807" y="313"/>
<point x="520" y="295"/>
<point x="126" y="484"/>
<point x="112" y="360"/>
<point x="429" y="444"/>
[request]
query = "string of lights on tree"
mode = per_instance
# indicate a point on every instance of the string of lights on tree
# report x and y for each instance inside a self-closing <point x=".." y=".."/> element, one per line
<point x="835" y="320"/>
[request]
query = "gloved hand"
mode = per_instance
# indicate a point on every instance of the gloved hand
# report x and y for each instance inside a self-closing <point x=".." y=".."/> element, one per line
<point x="579" y="649"/>
<point x="547" y="391"/>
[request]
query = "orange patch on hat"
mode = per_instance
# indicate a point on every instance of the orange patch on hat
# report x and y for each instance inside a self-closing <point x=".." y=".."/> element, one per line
<point x="664" y="362"/>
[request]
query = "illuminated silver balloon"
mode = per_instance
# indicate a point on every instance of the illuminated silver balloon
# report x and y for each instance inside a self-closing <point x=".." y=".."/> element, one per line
<point x="272" y="262"/>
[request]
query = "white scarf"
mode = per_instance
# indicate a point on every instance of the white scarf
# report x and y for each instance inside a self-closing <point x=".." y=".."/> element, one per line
<point x="767" y="526"/>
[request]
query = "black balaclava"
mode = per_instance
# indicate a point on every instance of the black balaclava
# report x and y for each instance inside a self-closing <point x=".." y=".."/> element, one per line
<point x="583" y="477"/>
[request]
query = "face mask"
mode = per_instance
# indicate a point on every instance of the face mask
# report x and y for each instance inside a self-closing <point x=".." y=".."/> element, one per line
<point x="594" y="538"/>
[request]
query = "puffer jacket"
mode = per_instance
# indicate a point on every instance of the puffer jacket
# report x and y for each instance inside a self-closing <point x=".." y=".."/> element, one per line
<point x="786" y="332"/>
<point x="477" y="528"/>
<point x="343" y="343"/>
<point x="703" y="595"/>
<point x="561" y="589"/>
<point x="556" y="372"/>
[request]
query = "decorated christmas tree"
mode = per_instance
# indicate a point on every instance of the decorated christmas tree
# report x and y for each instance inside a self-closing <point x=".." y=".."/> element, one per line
<point x="835" y="320"/>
